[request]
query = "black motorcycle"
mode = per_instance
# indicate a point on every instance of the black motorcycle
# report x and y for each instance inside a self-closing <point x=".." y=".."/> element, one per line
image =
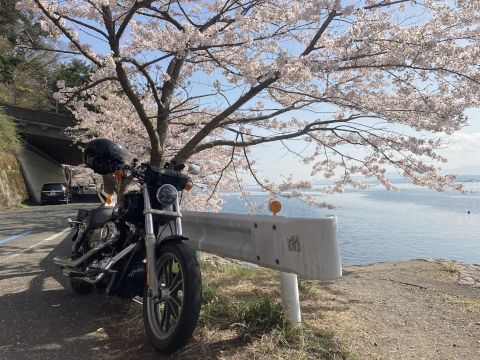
<point x="136" y="248"/>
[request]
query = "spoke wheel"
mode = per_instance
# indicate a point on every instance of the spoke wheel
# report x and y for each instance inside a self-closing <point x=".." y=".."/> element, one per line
<point x="165" y="312"/>
<point x="171" y="318"/>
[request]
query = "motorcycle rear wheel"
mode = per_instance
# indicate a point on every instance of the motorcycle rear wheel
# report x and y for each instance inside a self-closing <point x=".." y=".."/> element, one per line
<point x="77" y="284"/>
<point x="171" y="320"/>
<point x="81" y="287"/>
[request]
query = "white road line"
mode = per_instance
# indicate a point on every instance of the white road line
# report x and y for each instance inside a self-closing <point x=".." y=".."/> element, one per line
<point x="69" y="215"/>
<point x="38" y="243"/>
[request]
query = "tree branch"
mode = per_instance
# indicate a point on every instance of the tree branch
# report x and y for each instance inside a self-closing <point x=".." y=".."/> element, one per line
<point x="56" y="21"/>
<point x="47" y="49"/>
<point x="384" y="3"/>
<point x="314" y="126"/>
<point x="89" y="86"/>
<point x="151" y="83"/>
<point x="188" y="149"/>
<point x="264" y="117"/>
<point x="136" y="6"/>
<point x="319" y="33"/>
<point x="88" y="26"/>
<point x="127" y="87"/>
<point x="164" y="15"/>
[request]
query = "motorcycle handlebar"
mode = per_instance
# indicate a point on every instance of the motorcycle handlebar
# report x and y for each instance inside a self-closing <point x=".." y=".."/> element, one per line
<point x="138" y="171"/>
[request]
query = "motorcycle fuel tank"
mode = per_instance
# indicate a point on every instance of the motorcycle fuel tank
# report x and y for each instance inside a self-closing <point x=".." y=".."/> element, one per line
<point x="100" y="216"/>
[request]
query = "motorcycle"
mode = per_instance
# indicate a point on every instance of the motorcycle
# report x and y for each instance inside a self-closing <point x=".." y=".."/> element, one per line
<point x="136" y="247"/>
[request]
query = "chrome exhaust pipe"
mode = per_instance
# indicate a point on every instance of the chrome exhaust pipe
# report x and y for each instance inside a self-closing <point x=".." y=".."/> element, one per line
<point x="72" y="273"/>
<point x="73" y="223"/>
<point x="116" y="258"/>
<point x="68" y="263"/>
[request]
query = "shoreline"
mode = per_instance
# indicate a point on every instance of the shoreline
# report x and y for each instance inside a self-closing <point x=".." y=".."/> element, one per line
<point x="468" y="273"/>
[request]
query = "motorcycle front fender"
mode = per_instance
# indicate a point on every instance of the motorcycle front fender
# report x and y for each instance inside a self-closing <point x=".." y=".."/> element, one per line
<point x="171" y="238"/>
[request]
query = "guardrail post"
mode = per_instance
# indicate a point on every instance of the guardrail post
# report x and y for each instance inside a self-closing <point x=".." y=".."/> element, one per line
<point x="290" y="297"/>
<point x="288" y="282"/>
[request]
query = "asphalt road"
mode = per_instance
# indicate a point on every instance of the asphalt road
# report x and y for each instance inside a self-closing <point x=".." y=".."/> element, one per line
<point x="40" y="316"/>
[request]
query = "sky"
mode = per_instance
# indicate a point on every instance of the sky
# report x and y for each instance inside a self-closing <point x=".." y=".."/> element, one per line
<point x="462" y="149"/>
<point x="462" y="153"/>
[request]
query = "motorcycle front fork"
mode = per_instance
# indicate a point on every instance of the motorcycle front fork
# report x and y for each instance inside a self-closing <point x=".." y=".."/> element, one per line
<point x="150" y="241"/>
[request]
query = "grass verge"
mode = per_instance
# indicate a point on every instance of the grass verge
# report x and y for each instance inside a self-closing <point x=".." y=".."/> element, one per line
<point x="245" y="302"/>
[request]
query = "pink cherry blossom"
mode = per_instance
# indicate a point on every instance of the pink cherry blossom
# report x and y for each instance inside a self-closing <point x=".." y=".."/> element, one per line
<point x="371" y="85"/>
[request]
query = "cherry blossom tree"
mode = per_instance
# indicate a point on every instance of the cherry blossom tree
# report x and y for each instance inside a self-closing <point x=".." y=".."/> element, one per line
<point x="368" y="85"/>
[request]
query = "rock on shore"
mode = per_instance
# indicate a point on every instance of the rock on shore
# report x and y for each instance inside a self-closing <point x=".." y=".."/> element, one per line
<point x="468" y="274"/>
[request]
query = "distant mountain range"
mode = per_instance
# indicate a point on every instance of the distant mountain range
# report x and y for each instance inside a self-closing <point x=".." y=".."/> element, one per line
<point x="460" y="178"/>
<point x="469" y="178"/>
<point x="465" y="170"/>
<point x="395" y="180"/>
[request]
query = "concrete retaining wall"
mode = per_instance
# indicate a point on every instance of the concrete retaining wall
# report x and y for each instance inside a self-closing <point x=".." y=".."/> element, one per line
<point x="12" y="186"/>
<point x="38" y="169"/>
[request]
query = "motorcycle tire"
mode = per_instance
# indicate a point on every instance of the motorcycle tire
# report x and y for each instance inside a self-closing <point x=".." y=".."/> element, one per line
<point x="81" y="287"/>
<point x="170" y="321"/>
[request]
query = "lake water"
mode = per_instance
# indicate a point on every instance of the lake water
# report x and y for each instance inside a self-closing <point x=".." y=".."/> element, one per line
<point x="378" y="225"/>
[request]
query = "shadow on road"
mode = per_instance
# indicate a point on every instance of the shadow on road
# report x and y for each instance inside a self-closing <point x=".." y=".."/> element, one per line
<point x="32" y="219"/>
<point x="47" y="320"/>
<point x="38" y="219"/>
<point x="42" y="318"/>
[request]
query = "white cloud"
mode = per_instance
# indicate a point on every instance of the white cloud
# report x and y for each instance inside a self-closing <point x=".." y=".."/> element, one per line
<point x="463" y="151"/>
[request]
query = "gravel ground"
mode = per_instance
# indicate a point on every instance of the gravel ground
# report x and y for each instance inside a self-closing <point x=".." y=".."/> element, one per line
<point x="408" y="310"/>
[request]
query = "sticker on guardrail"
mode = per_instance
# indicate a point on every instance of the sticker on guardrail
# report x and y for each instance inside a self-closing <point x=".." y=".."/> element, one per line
<point x="294" y="244"/>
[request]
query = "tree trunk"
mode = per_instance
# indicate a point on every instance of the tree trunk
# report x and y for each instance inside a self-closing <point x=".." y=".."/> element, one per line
<point x="156" y="157"/>
<point x="109" y="184"/>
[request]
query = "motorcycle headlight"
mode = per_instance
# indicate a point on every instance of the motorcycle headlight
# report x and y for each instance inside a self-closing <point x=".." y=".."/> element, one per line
<point x="166" y="194"/>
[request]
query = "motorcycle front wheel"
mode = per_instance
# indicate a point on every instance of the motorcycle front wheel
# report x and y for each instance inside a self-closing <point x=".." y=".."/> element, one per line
<point x="171" y="319"/>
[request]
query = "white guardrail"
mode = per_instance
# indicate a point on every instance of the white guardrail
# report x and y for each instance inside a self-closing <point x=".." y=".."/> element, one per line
<point x="307" y="247"/>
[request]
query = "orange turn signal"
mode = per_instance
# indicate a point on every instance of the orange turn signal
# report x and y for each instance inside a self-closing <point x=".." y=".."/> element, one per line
<point x="108" y="200"/>
<point x="118" y="174"/>
<point x="274" y="206"/>
<point x="188" y="186"/>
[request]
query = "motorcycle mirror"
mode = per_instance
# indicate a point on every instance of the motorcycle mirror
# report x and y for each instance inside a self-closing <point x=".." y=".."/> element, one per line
<point x="194" y="169"/>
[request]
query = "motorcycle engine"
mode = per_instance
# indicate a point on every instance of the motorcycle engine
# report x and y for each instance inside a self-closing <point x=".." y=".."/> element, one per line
<point x="108" y="234"/>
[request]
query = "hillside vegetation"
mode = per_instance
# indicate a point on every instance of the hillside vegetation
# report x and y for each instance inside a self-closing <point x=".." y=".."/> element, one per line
<point x="9" y="140"/>
<point x="12" y="186"/>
